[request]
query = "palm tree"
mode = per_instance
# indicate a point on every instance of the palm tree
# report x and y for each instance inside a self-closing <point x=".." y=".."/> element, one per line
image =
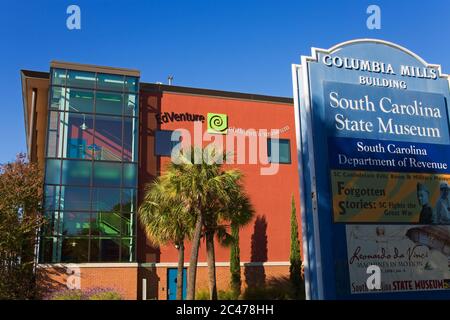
<point x="197" y="194"/>
<point x="237" y="212"/>
<point x="205" y="190"/>
<point x="166" y="221"/>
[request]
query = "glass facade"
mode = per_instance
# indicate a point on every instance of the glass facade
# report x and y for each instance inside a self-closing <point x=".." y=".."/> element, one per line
<point x="91" y="168"/>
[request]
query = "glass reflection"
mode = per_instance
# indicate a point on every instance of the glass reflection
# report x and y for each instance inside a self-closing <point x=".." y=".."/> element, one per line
<point x="108" y="138"/>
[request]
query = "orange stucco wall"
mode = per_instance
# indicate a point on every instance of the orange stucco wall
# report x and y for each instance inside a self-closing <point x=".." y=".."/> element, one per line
<point x="267" y="237"/>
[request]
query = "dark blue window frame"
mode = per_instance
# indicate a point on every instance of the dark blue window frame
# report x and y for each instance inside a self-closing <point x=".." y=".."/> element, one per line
<point x="280" y="142"/>
<point x="163" y="142"/>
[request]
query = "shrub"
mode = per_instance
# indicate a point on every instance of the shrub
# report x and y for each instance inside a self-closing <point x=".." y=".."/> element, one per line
<point x="227" y="295"/>
<point x="67" y="294"/>
<point x="295" y="269"/>
<point x="221" y="295"/>
<point x="102" y="294"/>
<point x="266" y="293"/>
<point x="279" y="288"/>
<point x="202" y="295"/>
<point x="106" y="296"/>
<point x="90" y="294"/>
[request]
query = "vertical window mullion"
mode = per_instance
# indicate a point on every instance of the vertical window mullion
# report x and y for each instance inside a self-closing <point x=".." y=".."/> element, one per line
<point x="92" y="215"/>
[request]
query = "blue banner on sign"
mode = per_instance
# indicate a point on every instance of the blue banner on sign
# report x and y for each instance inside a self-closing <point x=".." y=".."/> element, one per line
<point x="394" y="156"/>
<point x="385" y="114"/>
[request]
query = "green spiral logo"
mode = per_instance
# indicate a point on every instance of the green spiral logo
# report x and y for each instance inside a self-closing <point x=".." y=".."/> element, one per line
<point x="217" y="123"/>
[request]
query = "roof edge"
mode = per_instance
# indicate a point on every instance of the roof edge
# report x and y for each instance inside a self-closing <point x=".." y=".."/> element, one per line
<point x="35" y="74"/>
<point x="94" y="68"/>
<point x="155" y="87"/>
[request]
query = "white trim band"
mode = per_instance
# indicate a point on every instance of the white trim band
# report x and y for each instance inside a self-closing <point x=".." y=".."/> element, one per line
<point x="89" y="265"/>
<point x="218" y="264"/>
<point x="157" y="265"/>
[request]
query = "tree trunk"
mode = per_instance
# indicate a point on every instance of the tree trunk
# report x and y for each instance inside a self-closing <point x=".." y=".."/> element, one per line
<point x="192" y="272"/>
<point x="235" y="262"/>
<point x="180" y="270"/>
<point x="211" y="265"/>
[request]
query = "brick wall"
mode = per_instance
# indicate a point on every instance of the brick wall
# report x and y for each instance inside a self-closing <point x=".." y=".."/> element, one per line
<point x="128" y="280"/>
<point x="251" y="276"/>
<point x="121" y="279"/>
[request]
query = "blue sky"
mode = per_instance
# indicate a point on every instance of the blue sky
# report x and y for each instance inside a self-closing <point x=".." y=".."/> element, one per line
<point x="236" y="45"/>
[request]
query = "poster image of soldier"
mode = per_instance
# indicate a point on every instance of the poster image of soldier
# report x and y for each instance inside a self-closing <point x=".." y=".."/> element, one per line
<point x="442" y="209"/>
<point x="426" y="212"/>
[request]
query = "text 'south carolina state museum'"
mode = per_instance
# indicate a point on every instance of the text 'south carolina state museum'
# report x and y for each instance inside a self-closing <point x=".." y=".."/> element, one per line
<point x="101" y="135"/>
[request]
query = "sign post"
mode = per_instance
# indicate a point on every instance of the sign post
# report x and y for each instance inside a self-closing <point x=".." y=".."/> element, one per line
<point x="373" y="143"/>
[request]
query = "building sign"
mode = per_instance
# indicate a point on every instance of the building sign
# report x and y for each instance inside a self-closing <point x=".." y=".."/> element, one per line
<point x="177" y="117"/>
<point x="217" y="123"/>
<point x="373" y="129"/>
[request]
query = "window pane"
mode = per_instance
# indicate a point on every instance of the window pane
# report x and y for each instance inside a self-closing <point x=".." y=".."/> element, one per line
<point x="81" y="79"/>
<point x="108" y="102"/>
<point x="106" y="199"/>
<point x="54" y="143"/>
<point x="52" y="171"/>
<point x="46" y="250"/>
<point x="57" y="98"/>
<point x="80" y="138"/>
<point x="127" y="253"/>
<point x="80" y="100"/>
<point x="106" y="224"/>
<point x="127" y="228"/>
<point x="110" y="82"/>
<point x="95" y="250"/>
<point x="129" y="175"/>
<point x="164" y="143"/>
<point x="130" y="137"/>
<point x="131" y="84"/>
<point x="75" y="198"/>
<point x="74" y="250"/>
<point x="108" y="138"/>
<point x="128" y="200"/>
<point x="59" y="77"/>
<point x="50" y="225"/>
<point x="76" y="172"/>
<point x="278" y="150"/>
<point x="109" y="249"/>
<point x="51" y="201"/>
<point x="74" y="223"/>
<point x="107" y="174"/>
<point x="130" y="105"/>
<point x="285" y="151"/>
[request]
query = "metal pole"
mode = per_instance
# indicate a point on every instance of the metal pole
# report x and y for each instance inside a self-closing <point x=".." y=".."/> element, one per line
<point x="144" y="289"/>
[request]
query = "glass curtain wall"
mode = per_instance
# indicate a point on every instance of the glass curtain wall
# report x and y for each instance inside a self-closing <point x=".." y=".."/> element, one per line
<point x="91" y="168"/>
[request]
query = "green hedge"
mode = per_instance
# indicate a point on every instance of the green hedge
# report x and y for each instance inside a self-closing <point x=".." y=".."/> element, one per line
<point x="90" y="294"/>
